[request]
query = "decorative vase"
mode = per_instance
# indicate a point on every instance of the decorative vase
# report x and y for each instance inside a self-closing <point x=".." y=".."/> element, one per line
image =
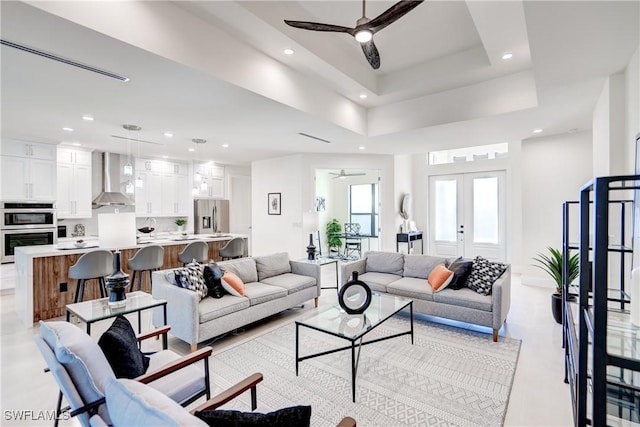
<point x="556" y="307"/>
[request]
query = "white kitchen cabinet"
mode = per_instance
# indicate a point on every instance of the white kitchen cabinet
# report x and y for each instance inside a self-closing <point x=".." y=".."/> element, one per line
<point x="74" y="183"/>
<point x="27" y="178"/>
<point x="175" y="195"/>
<point x="165" y="191"/>
<point x="12" y="147"/>
<point x="149" y="197"/>
<point x="213" y="176"/>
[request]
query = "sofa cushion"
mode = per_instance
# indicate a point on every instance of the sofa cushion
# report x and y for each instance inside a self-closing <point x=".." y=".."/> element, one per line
<point x="464" y="298"/>
<point x="461" y="269"/>
<point x="191" y="277"/>
<point x="291" y="282"/>
<point x="420" y="266"/>
<point x="440" y="277"/>
<point x="483" y="274"/>
<point x="385" y="262"/>
<point x="261" y="292"/>
<point x="212" y="308"/>
<point x="272" y="265"/>
<point x="378" y="281"/>
<point x="244" y="268"/>
<point x="411" y="287"/>
<point x="232" y="284"/>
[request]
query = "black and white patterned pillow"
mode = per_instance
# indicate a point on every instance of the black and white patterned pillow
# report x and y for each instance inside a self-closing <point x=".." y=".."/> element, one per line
<point x="483" y="274"/>
<point x="191" y="277"/>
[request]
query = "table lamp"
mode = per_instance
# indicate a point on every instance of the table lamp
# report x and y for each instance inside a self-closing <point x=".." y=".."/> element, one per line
<point x="310" y="223"/>
<point x="117" y="230"/>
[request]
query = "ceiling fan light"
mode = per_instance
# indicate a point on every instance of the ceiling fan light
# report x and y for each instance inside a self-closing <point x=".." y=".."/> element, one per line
<point x="363" y="36"/>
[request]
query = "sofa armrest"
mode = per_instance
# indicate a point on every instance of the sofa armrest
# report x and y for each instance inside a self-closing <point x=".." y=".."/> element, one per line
<point x="501" y="298"/>
<point x="308" y="269"/>
<point x="347" y="269"/>
<point x="182" y="308"/>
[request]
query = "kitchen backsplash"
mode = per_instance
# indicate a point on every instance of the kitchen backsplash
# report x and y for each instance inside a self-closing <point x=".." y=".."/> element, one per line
<point x="163" y="224"/>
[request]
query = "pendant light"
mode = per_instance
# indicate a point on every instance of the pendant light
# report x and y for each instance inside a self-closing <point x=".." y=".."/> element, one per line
<point x="139" y="182"/>
<point x="128" y="168"/>
<point x="198" y="177"/>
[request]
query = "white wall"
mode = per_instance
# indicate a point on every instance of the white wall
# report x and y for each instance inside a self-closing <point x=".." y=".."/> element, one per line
<point x="632" y="105"/>
<point x="403" y="177"/>
<point x="610" y="149"/>
<point x="553" y="170"/>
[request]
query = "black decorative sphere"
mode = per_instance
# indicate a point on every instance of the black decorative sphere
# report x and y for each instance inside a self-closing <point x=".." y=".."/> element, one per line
<point x="354" y="296"/>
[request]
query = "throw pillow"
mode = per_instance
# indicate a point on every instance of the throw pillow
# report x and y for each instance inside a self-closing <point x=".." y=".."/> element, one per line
<point x="461" y="269"/>
<point x="440" y="277"/>
<point x="191" y="277"/>
<point x="272" y="265"/>
<point x="213" y="279"/>
<point x="120" y="347"/>
<point x="232" y="284"/>
<point x="295" y="416"/>
<point x="483" y="274"/>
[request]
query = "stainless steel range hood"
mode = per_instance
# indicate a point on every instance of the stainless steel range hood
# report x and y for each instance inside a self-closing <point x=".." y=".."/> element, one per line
<point x="111" y="195"/>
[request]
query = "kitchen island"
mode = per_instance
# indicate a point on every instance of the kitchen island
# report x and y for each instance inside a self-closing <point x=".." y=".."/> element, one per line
<point x="43" y="287"/>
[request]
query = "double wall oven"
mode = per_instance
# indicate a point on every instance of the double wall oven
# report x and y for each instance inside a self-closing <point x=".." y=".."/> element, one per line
<point x="26" y="224"/>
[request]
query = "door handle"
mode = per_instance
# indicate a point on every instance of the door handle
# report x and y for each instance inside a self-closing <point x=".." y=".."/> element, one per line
<point x="460" y="231"/>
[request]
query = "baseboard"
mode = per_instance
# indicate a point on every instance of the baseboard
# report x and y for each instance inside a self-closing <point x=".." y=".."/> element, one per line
<point x="537" y="281"/>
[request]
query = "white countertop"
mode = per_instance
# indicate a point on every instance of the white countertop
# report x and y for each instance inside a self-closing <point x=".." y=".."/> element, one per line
<point x="65" y="245"/>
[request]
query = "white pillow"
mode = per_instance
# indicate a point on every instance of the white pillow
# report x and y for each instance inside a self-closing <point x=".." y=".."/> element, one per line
<point x="132" y="403"/>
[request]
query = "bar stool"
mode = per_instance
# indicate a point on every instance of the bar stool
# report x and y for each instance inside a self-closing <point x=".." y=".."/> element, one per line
<point x="197" y="250"/>
<point x="148" y="258"/>
<point x="92" y="265"/>
<point x="233" y="249"/>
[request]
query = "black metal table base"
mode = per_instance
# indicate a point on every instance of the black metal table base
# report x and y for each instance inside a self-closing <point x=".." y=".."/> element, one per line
<point x="355" y="358"/>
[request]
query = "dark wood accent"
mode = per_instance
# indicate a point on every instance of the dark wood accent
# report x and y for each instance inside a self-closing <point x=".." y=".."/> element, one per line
<point x="231" y="393"/>
<point x="48" y="272"/>
<point x="187" y="360"/>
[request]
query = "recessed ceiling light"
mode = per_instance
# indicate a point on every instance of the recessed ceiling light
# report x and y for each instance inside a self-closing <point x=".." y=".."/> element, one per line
<point x="288" y="51"/>
<point x="168" y="134"/>
<point x="192" y="149"/>
<point x="507" y="55"/>
<point x="225" y="145"/>
<point x="362" y="147"/>
<point x="67" y="129"/>
<point x="537" y="130"/>
<point x="165" y="157"/>
<point x="87" y="118"/>
<point x="363" y="96"/>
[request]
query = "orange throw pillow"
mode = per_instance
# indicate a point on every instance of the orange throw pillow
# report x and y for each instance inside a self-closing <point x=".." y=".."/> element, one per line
<point x="235" y="285"/>
<point x="440" y="277"/>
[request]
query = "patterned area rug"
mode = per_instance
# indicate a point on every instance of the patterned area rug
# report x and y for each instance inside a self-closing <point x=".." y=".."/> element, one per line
<point x="450" y="376"/>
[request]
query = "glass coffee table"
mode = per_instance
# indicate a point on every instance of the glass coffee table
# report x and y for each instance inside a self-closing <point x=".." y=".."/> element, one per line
<point x="95" y="310"/>
<point x="353" y="327"/>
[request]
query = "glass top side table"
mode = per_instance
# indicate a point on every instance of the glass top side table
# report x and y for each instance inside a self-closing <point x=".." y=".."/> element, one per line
<point x="95" y="310"/>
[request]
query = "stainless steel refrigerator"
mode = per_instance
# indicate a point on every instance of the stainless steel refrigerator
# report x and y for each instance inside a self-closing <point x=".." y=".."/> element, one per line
<point x="211" y="216"/>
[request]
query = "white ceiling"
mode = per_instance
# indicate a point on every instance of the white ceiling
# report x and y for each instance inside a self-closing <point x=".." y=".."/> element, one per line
<point x="215" y="70"/>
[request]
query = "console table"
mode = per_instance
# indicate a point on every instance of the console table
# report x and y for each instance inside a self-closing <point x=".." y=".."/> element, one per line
<point x="409" y="238"/>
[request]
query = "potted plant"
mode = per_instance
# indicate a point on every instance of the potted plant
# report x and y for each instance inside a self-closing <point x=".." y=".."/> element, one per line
<point x="180" y="222"/>
<point x="334" y="229"/>
<point x="552" y="264"/>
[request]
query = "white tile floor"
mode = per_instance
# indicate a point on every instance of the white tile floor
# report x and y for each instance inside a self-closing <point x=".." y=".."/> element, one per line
<point x="539" y="396"/>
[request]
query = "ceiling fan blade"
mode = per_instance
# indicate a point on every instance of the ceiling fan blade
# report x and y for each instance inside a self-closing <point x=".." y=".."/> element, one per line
<point x="315" y="26"/>
<point x="371" y="52"/>
<point x="392" y="14"/>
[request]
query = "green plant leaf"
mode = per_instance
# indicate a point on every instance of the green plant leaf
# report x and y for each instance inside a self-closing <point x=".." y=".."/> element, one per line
<point x="551" y="263"/>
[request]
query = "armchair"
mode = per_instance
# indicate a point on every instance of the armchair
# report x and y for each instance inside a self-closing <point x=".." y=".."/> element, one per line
<point x="82" y="371"/>
<point x="131" y="403"/>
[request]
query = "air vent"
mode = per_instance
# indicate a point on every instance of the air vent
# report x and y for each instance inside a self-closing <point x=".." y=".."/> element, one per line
<point x="64" y="60"/>
<point x="314" y="137"/>
<point x="136" y="140"/>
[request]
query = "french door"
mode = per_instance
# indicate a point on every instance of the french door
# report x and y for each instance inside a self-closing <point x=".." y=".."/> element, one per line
<point x="467" y="215"/>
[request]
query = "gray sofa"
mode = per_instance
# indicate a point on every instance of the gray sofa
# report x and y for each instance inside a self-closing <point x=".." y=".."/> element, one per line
<point x="406" y="275"/>
<point x="272" y="283"/>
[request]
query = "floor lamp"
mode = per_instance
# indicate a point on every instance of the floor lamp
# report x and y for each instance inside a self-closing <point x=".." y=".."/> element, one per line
<point x="117" y="230"/>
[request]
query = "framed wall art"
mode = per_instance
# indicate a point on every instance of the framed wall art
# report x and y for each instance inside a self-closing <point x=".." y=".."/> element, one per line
<point x="274" y="203"/>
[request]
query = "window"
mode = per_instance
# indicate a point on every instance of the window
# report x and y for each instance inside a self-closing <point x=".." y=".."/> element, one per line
<point x="469" y="154"/>
<point x="363" y="207"/>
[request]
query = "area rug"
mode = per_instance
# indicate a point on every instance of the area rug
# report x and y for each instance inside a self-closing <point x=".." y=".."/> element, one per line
<point x="449" y="376"/>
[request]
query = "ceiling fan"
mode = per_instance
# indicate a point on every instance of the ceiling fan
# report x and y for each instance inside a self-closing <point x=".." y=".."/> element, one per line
<point x="343" y="174"/>
<point x="365" y="28"/>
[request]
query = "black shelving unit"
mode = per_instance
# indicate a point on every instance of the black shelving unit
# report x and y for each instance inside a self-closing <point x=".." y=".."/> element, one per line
<point x="601" y="364"/>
